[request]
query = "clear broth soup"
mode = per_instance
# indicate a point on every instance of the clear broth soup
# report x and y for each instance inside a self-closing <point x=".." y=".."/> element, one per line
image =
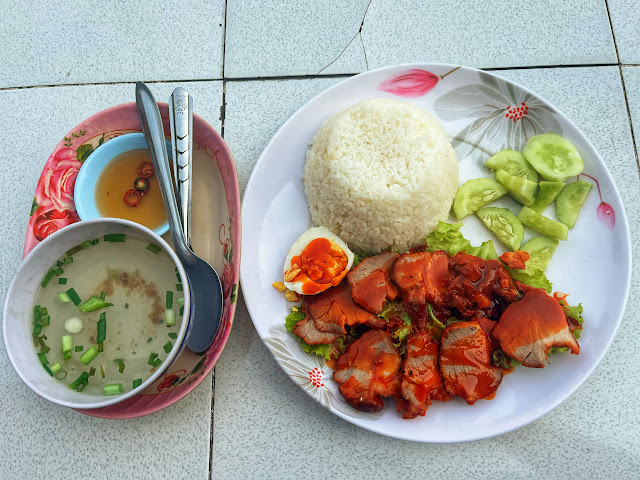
<point x="141" y="282"/>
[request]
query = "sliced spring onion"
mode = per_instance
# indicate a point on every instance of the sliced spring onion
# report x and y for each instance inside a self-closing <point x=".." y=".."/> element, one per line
<point x="179" y="287"/>
<point x="66" y="355"/>
<point x="113" y="389"/>
<point x="44" y="311"/>
<point x="137" y="382"/>
<point x="178" y="277"/>
<point x="167" y="347"/>
<point x="79" y="348"/>
<point x="181" y="311"/>
<point x="117" y="237"/>
<point x="35" y="340"/>
<point x="152" y="358"/>
<point x="154" y="248"/>
<point x="64" y="297"/>
<point x="47" y="278"/>
<point x="95" y="241"/>
<point x="37" y="329"/>
<point x="102" y="328"/>
<point x="92" y="371"/>
<point x="157" y="362"/>
<point x="169" y="299"/>
<point x="103" y="295"/>
<point x="100" y="347"/>
<point x="75" y="249"/>
<point x="75" y="298"/>
<point x="83" y="379"/>
<point x="169" y="317"/>
<point x="173" y="335"/>
<point x="46" y="367"/>
<point x="67" y="260"/>
<point x="67" y="343"/>
<point x="180" y="301"/>
<point x="106" y="238"/>
<point x="58" y="271"/>
<point x="93" y="304"/>
<point x="86" y="244"/>
<point x="55" y="368"/>
<point x="101" y="371"/>
<point x="59" y="263"/>
<point x="61" y="375"/>
<point x="46" y="321"/>
<point x="88" y="356"/>
<point x="43" y="358"/>
<point x="62" y="281"/>
<point x="37" y="312"/>
<point x="121" y="365"/>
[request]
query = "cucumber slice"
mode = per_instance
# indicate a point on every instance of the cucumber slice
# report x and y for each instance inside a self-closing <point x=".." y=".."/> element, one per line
<point x="486" y="251"/>
<point x="513" y="163"/>
<point x="543" y="224"/>
<point x="474" y="194"/>
<point x="553" y="156"/>
<point x="504" y="225"/>
<point x="540" y="250"/>
<point x="546" y="195"/>
<point x="570" y="201"/>
<point x="521" y="190"/>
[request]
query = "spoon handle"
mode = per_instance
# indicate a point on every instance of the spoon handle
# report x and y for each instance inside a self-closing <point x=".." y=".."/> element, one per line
<point x="181" y="118"/>
<point x="154" y="134"/>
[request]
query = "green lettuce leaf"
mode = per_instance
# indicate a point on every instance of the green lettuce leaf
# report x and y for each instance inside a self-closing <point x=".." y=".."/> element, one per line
<point x="400" y="334"/>
<point x="502" y="360"/>
<point x="573" y="312"/>
<point x="486" y="251"/>
<point x="290" y="322"/>
<point x="437" y="326"/>
<point x="447" y="237"/>
<point x="536" y="279"/>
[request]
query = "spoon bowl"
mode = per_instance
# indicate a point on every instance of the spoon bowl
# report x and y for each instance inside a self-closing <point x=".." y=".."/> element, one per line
<point x="205" y="287"/>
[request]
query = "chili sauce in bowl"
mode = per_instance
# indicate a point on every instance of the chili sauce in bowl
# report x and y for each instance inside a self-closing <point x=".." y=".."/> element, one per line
<point x="118" y="180"/>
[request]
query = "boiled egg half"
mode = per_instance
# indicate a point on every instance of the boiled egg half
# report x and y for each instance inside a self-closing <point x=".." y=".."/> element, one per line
<point x="317" y="261"/>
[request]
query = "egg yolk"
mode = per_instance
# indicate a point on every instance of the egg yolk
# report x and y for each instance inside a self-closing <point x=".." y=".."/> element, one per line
<point x="322" y="264"/>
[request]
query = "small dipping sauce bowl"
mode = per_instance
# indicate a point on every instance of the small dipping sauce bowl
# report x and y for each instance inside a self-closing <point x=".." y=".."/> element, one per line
<point x="86" y="182"/>
<point x="17" y="319"/>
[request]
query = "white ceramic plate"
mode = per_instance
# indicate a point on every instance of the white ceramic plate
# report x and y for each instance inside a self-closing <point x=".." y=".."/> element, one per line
<point x="482" y="114"/>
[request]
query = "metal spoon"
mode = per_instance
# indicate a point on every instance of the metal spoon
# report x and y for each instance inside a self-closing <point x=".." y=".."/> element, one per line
<point x="206" y="290"/>
<point x="181" y="119"/>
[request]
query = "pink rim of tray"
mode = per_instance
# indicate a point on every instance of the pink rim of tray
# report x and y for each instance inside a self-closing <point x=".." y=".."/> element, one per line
<point x="53" y="209"/>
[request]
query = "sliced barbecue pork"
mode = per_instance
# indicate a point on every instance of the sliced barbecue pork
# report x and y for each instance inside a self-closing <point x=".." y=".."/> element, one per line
<point x="530" y="327"/>
<point x="465" y="356"/>
<point x="335" y="308"/>
<point x="368" y="371"/>
<point x="307" y="330"/>
<point x="370" y="284"/>
<point x="421" y="380"/>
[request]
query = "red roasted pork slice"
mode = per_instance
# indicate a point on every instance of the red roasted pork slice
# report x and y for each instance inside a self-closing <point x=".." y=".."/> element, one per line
<point x="370" y="284"/>
<point x="333" y="309"/>
<point x="422" y="277"/>
<point x="476" y="283"/>
<point x="465" y="356"/>
<point x="530" y="327"/>
<point x="421" y="380"/>
<point x="368" y="371"/>
<point x="515" y="259"/>
<point x="307" y="330"/>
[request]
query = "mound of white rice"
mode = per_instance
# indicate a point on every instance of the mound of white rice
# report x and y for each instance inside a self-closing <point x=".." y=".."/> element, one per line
<point x="380" y="174"/>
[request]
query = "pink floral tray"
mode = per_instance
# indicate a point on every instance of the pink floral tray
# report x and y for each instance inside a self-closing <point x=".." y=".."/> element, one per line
<point x="215" y="232"/>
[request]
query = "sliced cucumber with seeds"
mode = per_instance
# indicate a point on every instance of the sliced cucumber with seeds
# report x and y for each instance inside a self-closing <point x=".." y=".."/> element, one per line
<point x="474" y="194"/>
<point x="504" y="225"/>
<point x="570" y="201"/>
<point x="521" y="190"/>
<point x="540" y="250"/>
<point x="543" y="224"/>
<point x="553" y="157"/>
<point x="547" y="193"/>
<point x="513" y="163"/>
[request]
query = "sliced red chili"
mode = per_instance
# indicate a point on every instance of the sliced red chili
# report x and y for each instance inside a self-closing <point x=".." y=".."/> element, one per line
<point x="145" y="169"/>
<point x="132" y="197"/>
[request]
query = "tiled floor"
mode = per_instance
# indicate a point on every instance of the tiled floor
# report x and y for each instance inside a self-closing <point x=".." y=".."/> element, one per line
<point x="264" y="426"/>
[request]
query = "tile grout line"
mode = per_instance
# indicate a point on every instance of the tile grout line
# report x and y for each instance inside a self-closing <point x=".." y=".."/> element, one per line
<point x="222" y="118"/>
<point x="624" y="88"/>
<point x="303" y="76"/>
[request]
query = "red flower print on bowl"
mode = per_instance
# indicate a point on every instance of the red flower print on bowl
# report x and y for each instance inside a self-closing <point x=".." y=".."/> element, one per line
<point x="171" y="381"/>
<point x="55" y="188"/>
<point x="227" y="279"/>
<point x="46" y="221"/>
